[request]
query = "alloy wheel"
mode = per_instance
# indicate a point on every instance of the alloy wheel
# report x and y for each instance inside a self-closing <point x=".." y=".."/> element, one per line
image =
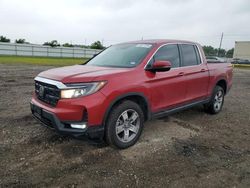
<point x="127" y="125"/>
<point x="218" y="100"/>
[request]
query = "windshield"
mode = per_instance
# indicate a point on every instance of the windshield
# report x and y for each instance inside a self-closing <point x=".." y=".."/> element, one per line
<point x="121" y="55"/>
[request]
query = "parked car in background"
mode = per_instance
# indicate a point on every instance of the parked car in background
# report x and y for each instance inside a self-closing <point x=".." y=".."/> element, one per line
<point x="215" y="59"/>
<point x="127" y="84"/>
<point x="240" y="61"/>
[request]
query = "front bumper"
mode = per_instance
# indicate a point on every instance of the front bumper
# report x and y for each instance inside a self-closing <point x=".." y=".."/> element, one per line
<point x="50" y="120"/>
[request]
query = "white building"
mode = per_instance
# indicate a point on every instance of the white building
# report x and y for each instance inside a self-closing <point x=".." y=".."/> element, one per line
<point x="242" y="50"/>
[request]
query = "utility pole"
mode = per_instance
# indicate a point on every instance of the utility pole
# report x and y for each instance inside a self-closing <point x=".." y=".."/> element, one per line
<point x="220" y="44"/>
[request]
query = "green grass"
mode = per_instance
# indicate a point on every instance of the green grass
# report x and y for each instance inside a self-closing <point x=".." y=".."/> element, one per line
<point x="14" y="60"/>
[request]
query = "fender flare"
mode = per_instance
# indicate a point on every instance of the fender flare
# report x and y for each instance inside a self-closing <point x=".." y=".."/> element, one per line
<point x="123" y="96"/>
<point x="223" y="80"/>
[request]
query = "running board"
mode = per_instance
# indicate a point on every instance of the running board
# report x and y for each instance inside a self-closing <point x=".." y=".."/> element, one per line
<point x="178" y="109"/>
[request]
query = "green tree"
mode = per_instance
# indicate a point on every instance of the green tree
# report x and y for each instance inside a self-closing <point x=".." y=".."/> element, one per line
<point x="4" y="39"/>
<point x="97" y="45"/>
<point x="222" y="53"/>
<point x="53" y="43"/>
<point x="230" y="53"/>
<point x="209" y="50"/>
<point x="68" y="45"/>
<point x="20" y="41"/>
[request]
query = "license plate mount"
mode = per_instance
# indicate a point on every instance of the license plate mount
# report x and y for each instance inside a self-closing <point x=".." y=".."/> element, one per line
<point x="37" y="111"/>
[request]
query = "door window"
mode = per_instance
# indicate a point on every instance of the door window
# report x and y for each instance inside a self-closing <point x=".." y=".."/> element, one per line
<point x="189" y="55"/>
<point x="168" y="53"/>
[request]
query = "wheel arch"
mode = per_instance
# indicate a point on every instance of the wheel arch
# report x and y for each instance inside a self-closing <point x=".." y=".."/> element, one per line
<point x="222" y="83"/>
<point x="139" y="98"/>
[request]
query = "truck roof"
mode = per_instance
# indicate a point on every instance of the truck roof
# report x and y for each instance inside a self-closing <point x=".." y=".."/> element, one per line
<point x="160" y="41"/>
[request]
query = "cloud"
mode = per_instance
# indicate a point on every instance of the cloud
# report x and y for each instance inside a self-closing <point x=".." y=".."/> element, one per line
<point x="116" y="21"/>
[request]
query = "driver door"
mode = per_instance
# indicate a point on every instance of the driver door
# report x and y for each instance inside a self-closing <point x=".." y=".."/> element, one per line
<point x="168" y="89"/>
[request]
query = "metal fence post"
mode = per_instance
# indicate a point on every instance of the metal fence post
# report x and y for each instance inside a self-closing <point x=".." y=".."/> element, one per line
<point x="16" y="49"/>
<point x="32" y="50"/>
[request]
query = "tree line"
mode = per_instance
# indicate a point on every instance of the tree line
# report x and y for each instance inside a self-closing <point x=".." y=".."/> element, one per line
<point x="55" y="43"/>
<point x="209" y="50"/>
<point x="94" y="45"/>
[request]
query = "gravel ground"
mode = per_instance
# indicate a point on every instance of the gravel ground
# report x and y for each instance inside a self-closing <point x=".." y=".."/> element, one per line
<point x="188" y="149"/>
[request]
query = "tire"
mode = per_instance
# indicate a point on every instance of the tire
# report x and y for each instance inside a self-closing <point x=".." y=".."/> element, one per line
<point x="216" y="103"/>
<point x="124" y="124"/>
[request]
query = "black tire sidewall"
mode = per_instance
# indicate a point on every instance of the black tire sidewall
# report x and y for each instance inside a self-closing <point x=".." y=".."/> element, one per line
<point x="211" y="107"/>
<point x="111" y="124"/>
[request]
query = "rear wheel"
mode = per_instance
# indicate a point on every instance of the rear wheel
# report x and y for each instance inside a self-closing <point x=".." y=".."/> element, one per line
<point x="124" y="124"/>
<point x="215" y="104"/>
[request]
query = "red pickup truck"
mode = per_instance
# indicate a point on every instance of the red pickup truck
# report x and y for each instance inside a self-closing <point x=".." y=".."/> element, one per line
<point x="115" y="92"/>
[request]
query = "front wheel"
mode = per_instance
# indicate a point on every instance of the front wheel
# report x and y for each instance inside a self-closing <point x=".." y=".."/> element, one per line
<point x="215" y="104"/>
<point x="124" y="124"/>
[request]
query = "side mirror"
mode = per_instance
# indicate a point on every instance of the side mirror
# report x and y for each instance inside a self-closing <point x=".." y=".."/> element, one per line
<point x="160" y="66"/>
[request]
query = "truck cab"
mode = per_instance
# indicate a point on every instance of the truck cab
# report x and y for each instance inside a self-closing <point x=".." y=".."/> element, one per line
<point x="115" y="92"/>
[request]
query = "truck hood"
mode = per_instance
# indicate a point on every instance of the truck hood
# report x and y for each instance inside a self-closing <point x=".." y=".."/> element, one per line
<point x="79" y="73"/>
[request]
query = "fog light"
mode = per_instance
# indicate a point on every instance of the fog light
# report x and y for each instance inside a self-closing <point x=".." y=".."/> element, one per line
<point x="79" y="126"/>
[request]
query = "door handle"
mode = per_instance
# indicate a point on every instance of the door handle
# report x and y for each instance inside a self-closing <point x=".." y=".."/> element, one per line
<point x="203" y="70"/>
<point x="181" y="74"/>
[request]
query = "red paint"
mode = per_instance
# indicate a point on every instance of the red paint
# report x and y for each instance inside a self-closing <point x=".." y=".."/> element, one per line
<point x="163" y="90"/>
<point x="161" y="64"/>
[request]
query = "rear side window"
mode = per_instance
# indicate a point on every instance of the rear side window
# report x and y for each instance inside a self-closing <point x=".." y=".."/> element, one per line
<point x="189" y="55"/>
<point x="168" y="53"/>
<point x="197" y="54"/>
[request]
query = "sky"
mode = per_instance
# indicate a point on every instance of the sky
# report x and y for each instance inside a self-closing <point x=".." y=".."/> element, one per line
<point x="115" y="21"/>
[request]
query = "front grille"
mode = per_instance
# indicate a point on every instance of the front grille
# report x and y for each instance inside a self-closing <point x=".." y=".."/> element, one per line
<point x="47" y="93"/>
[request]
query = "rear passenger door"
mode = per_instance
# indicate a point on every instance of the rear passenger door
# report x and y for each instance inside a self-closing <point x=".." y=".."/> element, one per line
<point x="196" y="72"/>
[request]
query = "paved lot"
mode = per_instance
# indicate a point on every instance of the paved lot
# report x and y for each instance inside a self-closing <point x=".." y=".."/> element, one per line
<point x="191" y="148"/>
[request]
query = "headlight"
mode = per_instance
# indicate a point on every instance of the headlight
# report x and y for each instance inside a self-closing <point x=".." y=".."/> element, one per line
<point x="78" y="90"/>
